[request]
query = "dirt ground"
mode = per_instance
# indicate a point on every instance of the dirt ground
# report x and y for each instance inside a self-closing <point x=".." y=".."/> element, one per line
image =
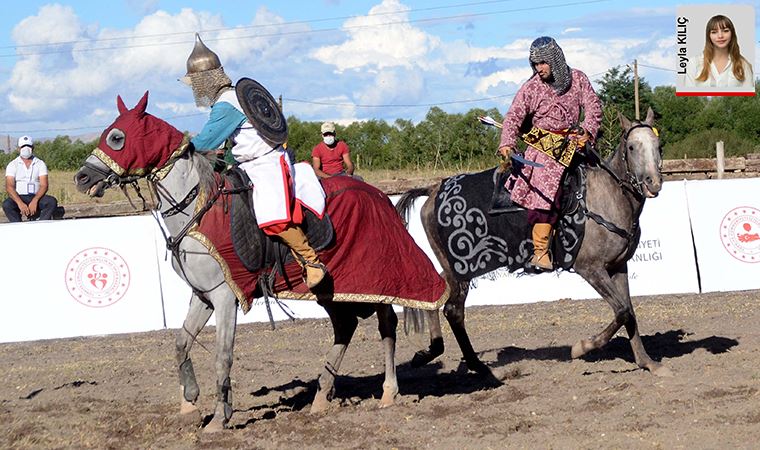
<point x="122" y="391"/>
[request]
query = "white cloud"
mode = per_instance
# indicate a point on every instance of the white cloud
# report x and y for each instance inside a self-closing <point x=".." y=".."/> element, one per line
<point x="372" y="44"/>
<point x="516" y="75"/>
<point x="179" y="107"/>
<point x="45" y="84"/>
<point x="392" y="86"/>
<point x="53" y="23"/>
<point x="572" y="30"/>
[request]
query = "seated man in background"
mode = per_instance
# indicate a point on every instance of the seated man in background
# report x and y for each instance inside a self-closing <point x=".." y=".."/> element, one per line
<point x="329" y="156"/>
<point x="26" y="181"/>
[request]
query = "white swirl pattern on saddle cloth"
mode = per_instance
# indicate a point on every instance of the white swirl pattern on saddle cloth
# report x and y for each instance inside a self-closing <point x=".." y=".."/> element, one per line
<point x="473" y="248"/>
<point x="470" y="244"/>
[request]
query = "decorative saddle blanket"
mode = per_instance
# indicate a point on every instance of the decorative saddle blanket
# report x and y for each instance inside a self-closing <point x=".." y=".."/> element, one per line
<point x="254" y="248"/>
<point x="371" y="258"/>
<point x="478" y="242"/>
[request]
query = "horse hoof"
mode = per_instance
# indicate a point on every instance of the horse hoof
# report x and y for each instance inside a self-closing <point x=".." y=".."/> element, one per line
<point x="662" y="371"/>
<point x="479" y="367"/>
<point x="388" y="399"/>
<point x="320" y="404"/>
<point x="214" y="426"/>
<point x="188" y="408"/>
<point x="421" y="358"/>
<point x="579" y="349"/>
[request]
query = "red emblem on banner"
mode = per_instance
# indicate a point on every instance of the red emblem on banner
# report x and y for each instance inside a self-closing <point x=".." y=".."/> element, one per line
<point x="97" y="277"/>
<point x="740" y="233"/>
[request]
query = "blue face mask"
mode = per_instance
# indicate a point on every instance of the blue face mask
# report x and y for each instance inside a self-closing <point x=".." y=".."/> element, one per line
<point x="26" y="152"/>
<point x="329" y="139"/>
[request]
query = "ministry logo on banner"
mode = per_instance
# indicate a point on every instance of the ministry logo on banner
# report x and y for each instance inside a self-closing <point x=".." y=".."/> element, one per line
<point x="740" y="233"/>
<point x="97" y="277"/>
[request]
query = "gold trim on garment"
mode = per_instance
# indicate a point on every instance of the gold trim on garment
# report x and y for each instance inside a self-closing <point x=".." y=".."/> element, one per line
<point x="559" y="147"/>
<point x="206" y="242"/>
<point x="371" y="298"/>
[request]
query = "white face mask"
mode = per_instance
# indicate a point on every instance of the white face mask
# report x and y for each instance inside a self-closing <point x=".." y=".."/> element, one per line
<point x="26" y="152"/>
<point x="329" y="140"/>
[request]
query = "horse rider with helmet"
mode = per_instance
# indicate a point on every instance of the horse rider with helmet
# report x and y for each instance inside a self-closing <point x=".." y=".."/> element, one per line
<point x="247" y="117"/>
<point x="550" y="103"/>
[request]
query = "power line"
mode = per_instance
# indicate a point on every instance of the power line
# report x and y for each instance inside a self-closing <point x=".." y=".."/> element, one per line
<point x="321" y="30"/>
<point x="244" y="27"/>
<point x="658" y="68"/>
<point x="310" y="102"/>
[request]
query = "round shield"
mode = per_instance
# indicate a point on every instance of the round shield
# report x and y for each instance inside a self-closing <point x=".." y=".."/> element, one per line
<point x="262" y="111"/>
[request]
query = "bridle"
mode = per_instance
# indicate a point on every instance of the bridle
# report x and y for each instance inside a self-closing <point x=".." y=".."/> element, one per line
<point x="633" y="179"/>
<point x="629" y="183"/>
<point x="154" y="177"/>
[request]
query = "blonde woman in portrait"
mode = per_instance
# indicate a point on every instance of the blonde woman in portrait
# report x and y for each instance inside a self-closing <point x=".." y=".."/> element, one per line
<point x="721" y="63"/>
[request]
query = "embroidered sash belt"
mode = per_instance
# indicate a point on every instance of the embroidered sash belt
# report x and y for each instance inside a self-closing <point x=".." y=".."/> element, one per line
<point x="557" y="145"/>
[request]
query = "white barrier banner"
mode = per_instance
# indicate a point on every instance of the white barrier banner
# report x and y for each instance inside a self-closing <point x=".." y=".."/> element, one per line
<point x="725" y="218"/>
<point x="663" y="262"/>
<point x="79" y="277"/>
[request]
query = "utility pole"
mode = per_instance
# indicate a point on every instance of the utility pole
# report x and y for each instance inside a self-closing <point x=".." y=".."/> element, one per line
<point x="279" y="101"/>
<point x="636" y="86"/>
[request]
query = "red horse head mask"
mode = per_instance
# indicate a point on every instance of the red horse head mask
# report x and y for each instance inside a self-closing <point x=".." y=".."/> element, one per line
<point x="137" y="143"/>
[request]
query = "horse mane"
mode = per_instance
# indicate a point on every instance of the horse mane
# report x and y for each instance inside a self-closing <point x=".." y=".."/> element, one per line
<point x="206" y="177"/>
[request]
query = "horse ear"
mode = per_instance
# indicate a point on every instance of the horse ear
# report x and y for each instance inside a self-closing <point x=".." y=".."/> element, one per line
<point x="120" y="104"/>
<point x="624" y="122"/>
<point x="650" y="117"/>
<point x="142" y="104"/>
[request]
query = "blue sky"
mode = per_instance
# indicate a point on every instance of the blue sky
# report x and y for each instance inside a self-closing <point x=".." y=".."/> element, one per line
<point x="329" y="59"/>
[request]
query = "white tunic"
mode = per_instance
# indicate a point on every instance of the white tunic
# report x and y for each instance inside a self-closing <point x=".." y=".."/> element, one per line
<point x="276" y="183"/>
<point x="717" y="78"/>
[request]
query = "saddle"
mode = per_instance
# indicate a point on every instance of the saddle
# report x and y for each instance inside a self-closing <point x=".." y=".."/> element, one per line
<point x="255" y="249"/>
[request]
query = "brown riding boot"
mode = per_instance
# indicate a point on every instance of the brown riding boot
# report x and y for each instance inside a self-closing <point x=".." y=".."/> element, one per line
<point x="541" y="234"/>
<point x="314" y="270"/>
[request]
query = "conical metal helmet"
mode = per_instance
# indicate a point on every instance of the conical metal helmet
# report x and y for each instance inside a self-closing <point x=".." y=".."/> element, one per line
<point x="202" y="59"/>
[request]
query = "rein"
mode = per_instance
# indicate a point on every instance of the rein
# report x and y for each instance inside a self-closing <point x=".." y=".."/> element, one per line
<point x="633" y="186"/>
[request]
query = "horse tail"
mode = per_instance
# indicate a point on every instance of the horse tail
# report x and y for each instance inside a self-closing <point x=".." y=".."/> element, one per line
<point x="406" y="201"/>
<point x="414" y="319"/>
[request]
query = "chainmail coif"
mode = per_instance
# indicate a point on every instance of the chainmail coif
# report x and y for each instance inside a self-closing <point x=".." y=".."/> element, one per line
<point x="546" y="49"/>
<point x="207" y="85"/>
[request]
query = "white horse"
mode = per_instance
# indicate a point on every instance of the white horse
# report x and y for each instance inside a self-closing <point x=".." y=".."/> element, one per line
<point x="139" y="145"/>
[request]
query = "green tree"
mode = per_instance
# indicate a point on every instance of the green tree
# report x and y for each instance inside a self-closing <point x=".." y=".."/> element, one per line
<point x="618" y="90"/>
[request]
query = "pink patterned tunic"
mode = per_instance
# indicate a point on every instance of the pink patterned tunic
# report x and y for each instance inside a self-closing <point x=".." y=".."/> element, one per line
<point x="536" y="187"/>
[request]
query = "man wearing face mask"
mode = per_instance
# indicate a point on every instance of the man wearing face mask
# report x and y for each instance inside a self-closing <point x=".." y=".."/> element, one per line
<point x="329" y="156"/>
<point x="26" y="181"/>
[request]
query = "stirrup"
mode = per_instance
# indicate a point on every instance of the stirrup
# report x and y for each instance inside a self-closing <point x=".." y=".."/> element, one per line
<point x="319" y="266"/>
<point x="539" y="268"/>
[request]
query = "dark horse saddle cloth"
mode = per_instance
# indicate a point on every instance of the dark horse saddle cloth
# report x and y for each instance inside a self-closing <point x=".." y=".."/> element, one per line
<point x="255" y="249"/>
<point x="479" y="241"/>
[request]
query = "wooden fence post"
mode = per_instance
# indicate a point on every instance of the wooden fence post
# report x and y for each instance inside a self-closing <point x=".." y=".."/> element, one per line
<point x="721" y="158"/>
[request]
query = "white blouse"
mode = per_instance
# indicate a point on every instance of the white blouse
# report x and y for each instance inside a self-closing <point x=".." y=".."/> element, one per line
<point x="716" y="78"/>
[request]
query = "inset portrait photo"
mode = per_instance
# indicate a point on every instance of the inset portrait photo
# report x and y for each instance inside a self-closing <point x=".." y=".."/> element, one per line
<point x="715" y="46"/>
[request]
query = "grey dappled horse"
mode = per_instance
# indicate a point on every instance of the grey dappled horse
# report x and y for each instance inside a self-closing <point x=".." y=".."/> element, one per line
<point x="617" y="195"/>
<point x="131" y="140"/>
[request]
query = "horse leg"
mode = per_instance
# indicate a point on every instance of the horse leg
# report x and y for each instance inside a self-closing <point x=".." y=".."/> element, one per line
<point x="226" y="317"/>
<point x="387" y="321"/>
<point x="614" y="289"/>
<point x="435" y="350"/>
<point x="197" y="316"/>
<point x="344" y="324"/>
<point x="454" y="312"/>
